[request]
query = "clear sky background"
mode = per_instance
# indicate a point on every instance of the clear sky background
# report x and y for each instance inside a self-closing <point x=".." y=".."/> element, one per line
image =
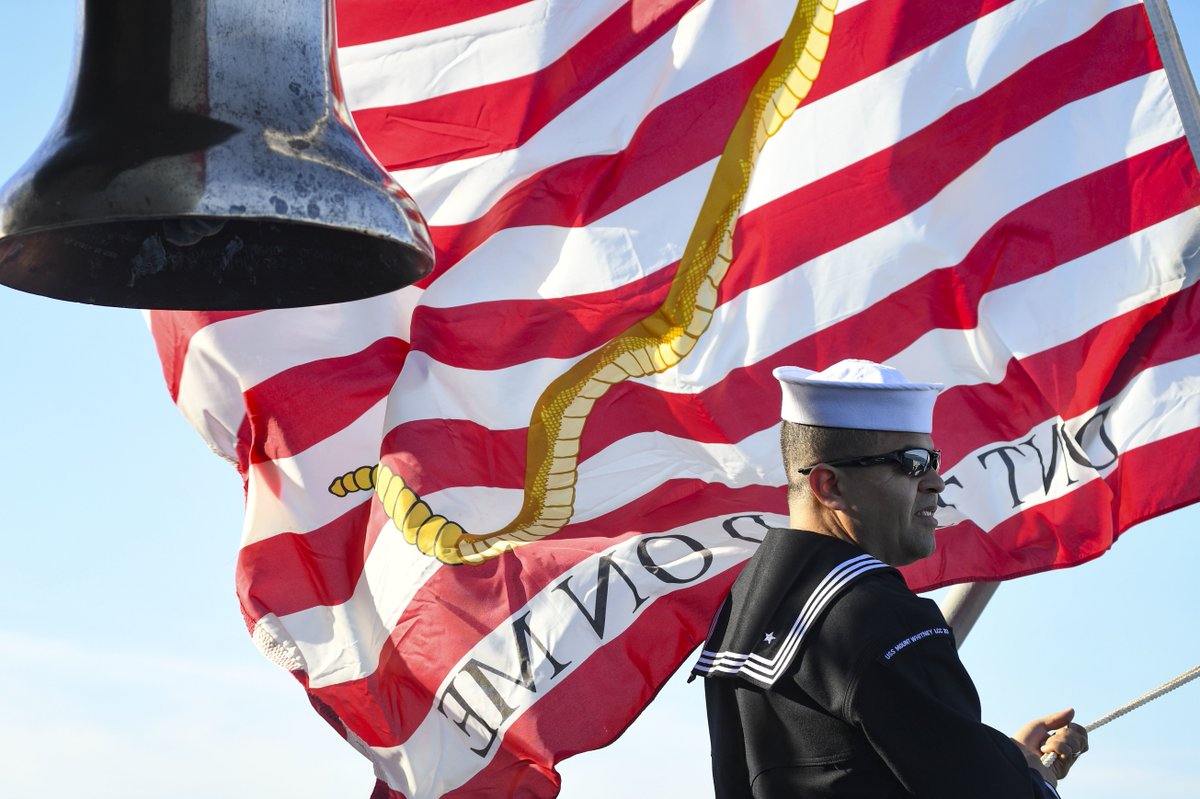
<point x="126" y="671"/>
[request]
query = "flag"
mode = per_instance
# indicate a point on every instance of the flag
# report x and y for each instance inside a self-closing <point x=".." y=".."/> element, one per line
<point x="488" y="515"/>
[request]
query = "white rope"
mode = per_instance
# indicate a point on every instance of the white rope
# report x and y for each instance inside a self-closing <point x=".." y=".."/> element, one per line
<point x="1050" y="757"/>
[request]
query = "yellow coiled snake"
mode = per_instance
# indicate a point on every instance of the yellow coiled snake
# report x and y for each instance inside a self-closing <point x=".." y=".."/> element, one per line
<point x="654" y="344"/>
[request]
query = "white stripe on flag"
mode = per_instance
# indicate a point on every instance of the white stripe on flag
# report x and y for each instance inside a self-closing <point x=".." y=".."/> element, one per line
<point x="646" y="232"/>
<point x="871" y="115"/>
<point x="1160" y="402"/>
<point x="868" y="270"/>
<point x="343" y="642"/>
<point x="475" y="52"/>
<point x="258" y="346"/>
<point x="1032" y="316"/>
<point x="290" y="495"/>
<point x="713" y="38"/>
<point x="638" y="239"/>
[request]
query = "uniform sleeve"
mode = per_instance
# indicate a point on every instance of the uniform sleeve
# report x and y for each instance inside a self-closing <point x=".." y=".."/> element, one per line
<point x="917" y="707"/>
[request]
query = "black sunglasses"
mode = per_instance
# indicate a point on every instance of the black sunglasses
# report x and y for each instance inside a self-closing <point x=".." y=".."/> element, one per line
<point x="913" y="462"/>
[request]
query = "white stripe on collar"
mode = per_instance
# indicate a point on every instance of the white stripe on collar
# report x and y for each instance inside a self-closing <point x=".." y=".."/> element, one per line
<point x="765" y="671"/>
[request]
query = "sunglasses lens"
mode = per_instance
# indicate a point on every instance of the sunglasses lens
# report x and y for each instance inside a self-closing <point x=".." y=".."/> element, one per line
<point x="918" y="461"/>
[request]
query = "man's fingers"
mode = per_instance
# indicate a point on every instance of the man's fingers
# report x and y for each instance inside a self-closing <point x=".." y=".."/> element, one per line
<point x="1070" y="740"/>
<point x="1060" y="719"/>
<point x="1038" y="736"/>
<point x="1063" y="747"/>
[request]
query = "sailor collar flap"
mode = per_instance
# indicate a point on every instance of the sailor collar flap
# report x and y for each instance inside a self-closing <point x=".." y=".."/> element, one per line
<point x="784" y="589"/>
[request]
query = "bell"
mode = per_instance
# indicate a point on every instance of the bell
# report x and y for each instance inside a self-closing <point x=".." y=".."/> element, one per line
<point x="205" y="159"/>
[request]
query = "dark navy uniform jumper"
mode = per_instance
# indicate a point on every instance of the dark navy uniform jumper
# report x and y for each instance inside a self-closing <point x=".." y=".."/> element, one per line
<point x="827" y="677"/>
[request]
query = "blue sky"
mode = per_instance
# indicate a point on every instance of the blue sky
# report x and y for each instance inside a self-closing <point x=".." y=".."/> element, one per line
<point x="125" y="666"/>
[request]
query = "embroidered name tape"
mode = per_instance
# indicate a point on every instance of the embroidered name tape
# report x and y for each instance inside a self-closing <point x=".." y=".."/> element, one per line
<point x="912" y="639"/>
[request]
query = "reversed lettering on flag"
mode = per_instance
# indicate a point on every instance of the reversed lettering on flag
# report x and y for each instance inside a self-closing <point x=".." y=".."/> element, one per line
<point x="1051" y="459"/>
<point x="507" y="671"/>
<point x="999" y="196"/>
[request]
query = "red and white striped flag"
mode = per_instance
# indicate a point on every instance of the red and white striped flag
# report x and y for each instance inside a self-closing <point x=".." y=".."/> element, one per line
<point x="574" y="416"/>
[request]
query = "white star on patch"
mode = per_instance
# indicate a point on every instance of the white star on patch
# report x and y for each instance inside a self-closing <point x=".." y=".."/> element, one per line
<point x="769" y="638"/>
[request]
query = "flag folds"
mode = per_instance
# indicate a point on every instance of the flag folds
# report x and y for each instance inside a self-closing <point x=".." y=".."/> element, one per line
<point x="489" y="514"/>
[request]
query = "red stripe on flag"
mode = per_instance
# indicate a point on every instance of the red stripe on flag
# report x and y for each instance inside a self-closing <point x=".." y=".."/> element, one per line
<point x="305" y="404"/>
<point x="1079" y="374"/>
<point x="1070" y="379"/>
<point x="577" y="713"/>
<point x="385" y="707"/>
<point x="870" y="37"/>
<point x="576" y="193"/>
<point x="364" y="21"/>
<point x="280" y="449"/>
<point x="581" y="190"/>
<point x="492" y="458"/>
<point x="505" y="332"/>
<point x="500" y="116"/>
<point x="866" y="39"/>
<point x="383" y="791"/>
<point x="947" y="298"/>
<point x="1146" y="482"/>
<point x="858" y="199"/>
<point x="1066" y="379"/>
<point x="173" y="331"/>
<point x="289" y="572"/>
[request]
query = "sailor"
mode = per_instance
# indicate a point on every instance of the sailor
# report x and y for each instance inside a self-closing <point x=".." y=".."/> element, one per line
<point x="826" y="676"/>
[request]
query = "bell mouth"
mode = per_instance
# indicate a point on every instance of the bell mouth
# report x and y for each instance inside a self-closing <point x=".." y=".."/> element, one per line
<point x="208" y="263"/>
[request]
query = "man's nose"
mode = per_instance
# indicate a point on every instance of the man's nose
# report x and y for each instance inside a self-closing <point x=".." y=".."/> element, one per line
<point x="932" y="481"/>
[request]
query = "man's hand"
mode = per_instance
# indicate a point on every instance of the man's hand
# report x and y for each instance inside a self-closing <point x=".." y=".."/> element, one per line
<point x="1053" y="733"/>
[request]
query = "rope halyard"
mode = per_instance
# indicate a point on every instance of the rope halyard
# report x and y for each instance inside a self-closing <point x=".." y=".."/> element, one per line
<point x="1050" y="758"/>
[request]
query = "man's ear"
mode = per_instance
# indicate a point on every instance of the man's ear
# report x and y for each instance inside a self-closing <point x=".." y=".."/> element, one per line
<point x="824" y="484"/>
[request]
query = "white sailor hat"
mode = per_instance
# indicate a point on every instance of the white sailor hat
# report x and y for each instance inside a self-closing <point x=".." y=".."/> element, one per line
<point x="861" y="395"/>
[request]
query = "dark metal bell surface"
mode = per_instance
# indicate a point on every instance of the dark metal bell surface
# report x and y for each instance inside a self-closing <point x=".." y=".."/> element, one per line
<point x="205" y="159"/>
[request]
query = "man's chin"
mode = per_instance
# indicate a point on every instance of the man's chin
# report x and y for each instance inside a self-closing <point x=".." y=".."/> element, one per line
<point x="929" y="545"/>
